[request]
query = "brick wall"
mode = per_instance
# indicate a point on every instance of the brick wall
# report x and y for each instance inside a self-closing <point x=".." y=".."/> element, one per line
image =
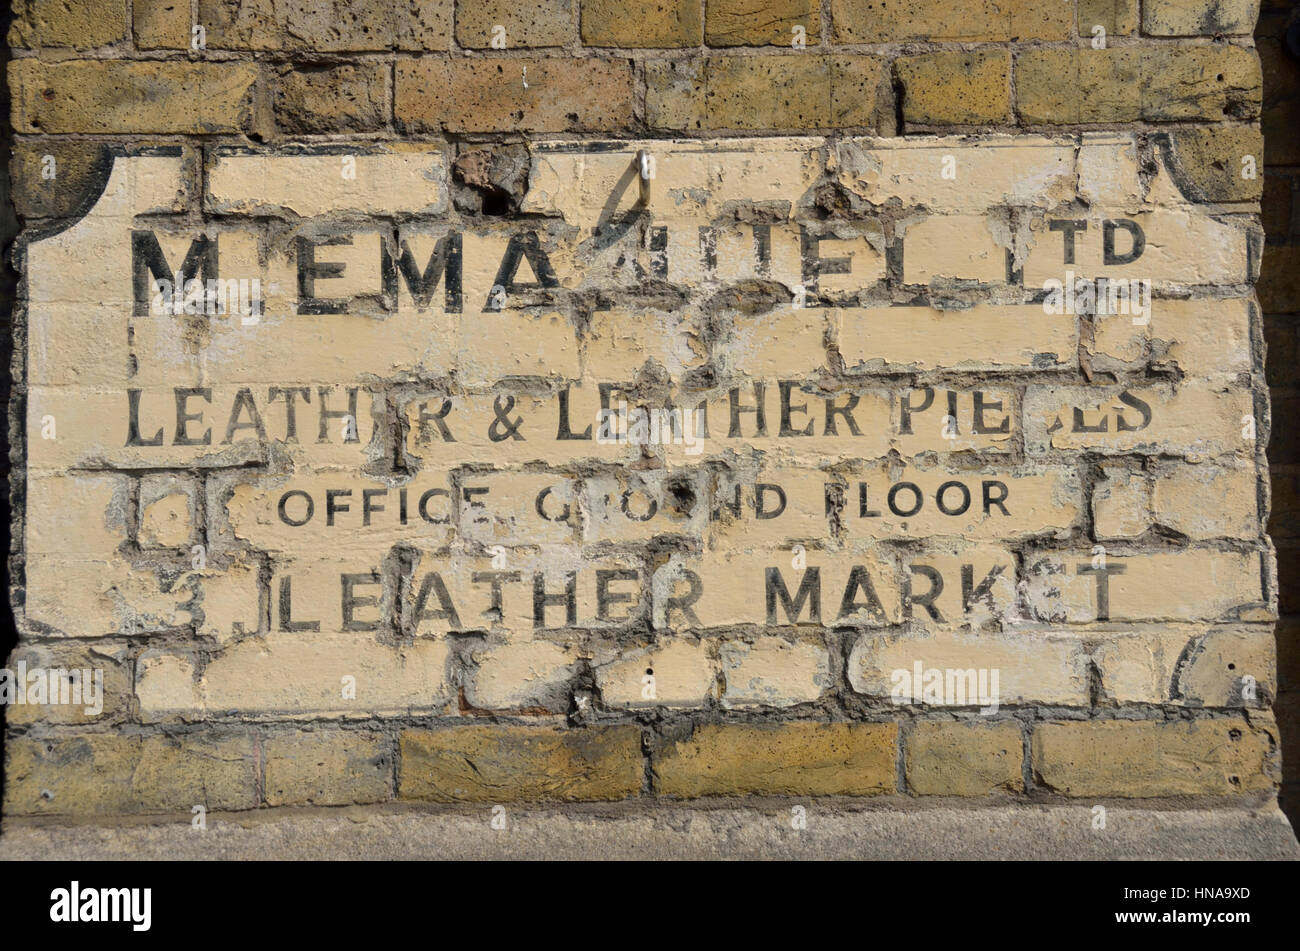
<point x="1126" y="598"/>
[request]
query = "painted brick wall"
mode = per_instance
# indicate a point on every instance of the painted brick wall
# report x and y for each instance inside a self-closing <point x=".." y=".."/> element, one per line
<point x="851" y="230"/>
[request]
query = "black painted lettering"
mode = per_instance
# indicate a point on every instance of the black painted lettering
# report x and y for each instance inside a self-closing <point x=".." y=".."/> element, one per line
<point x="810" y="593"/>
<point x="567" y="599"/>
<point x="310" y="270"/>
<point x="444" y="262"/>
<point x="910" y="598"/>
<point x="348" y="582"/>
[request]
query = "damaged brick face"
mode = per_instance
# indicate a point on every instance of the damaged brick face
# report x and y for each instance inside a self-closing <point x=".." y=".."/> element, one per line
<point x="667" y="463"/>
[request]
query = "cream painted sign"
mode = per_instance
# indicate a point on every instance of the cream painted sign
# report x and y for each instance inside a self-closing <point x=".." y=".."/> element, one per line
<point x="298" y="417"/>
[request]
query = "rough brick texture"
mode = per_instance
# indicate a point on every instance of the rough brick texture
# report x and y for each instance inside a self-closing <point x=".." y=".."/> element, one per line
<point x="946" y="311"/>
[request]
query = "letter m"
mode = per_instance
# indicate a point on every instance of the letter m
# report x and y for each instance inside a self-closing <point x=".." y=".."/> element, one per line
<point x="810" y="591"/>
<point x="115" y="904"/>
<point x="444" y="264"/>
<point x="961" y="686"/>
<point x="147" y="259"/>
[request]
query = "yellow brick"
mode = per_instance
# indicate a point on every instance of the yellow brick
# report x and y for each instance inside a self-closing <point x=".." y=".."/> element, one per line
<point x="488" y="94"/>
<point x="1126" y="84"/>
<point x="1116" y="17"/>
<point x="327" y="768"/>
<point x="1135" y="760"/>
<point x="80" y="24"/>
<point x="504" y="764"/>
<point x="675" y="93"/>
<point x="327" y="27"/>
<point x="122" y="97"/>
<point x="669" y="23"/>
<point x="162" y="24"/>
<point x="804" y="91"/>
<point x="970" y="758"/>
<point x="530" y="24"/>
<point x="107" y="774"/>
<point x="792" y="92"/>
<point x="345" y="98"/>
<point x="34" y="195"/>
<point x="955" y="87"/>
<point x="781" y="759"/>
<point x="737" y="23"/>
<point x="1212" y="163"/>
<point x="861" y="21"/>
<point x="1222" y="17"/>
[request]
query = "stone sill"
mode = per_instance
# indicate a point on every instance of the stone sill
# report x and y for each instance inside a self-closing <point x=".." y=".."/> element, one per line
<point x="760" y="829"/>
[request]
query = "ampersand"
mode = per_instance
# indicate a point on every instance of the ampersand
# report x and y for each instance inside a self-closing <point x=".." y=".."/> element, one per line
<point x="503" y="426"/>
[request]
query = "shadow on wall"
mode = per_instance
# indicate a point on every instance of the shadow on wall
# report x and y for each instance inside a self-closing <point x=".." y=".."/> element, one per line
<point x="8" y="291"/>
<point x="1278" y="40"/>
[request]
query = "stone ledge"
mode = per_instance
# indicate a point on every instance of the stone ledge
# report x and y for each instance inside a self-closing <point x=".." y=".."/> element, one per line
<point x="661" y="832"/>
